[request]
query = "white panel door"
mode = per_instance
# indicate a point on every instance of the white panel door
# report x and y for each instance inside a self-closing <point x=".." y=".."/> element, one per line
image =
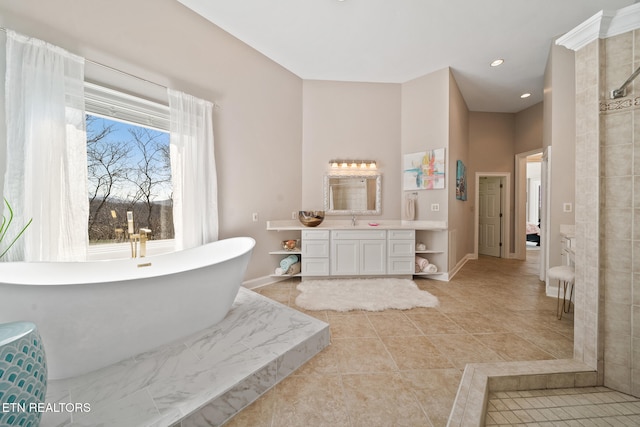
<point x="490" y="216"/>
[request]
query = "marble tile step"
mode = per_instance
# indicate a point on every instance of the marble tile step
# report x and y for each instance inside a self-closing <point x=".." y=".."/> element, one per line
<point x="202" y="380"/>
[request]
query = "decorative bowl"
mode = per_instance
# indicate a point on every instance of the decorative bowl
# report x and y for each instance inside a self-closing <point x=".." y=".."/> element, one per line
<point x="311" y="218"/>
<point x="290" y="245"/>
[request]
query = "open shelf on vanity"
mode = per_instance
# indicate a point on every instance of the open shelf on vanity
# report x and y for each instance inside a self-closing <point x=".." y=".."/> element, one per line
<point x="296" y="251"/>
<point x="283" y="253"/>
<point x="435" y="242"/>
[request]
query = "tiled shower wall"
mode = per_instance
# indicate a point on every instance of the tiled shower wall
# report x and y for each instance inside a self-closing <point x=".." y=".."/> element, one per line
<point x="587" y="226"/>
<point x="608" y="212"/>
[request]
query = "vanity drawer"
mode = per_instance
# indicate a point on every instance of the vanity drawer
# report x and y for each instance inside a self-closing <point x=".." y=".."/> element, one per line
<point x="402" y="234"/>
<point x="315" y="248"/>
<point x="358" y="234"/>
<point x="315" y="266"/>
<point x="401" y="248"/>
<point x="401" y="266"/>
<point x="315" y="234"/>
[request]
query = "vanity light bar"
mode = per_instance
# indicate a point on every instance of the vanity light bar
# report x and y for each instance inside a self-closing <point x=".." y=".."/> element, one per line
<point x="353" y="164"/>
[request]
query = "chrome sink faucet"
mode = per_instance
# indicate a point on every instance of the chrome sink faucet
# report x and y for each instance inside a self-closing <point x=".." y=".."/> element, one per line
<point x="353" y="220"/>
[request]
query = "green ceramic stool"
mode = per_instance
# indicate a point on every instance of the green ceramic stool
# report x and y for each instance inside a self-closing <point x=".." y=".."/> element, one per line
<point x="23" y="374"/>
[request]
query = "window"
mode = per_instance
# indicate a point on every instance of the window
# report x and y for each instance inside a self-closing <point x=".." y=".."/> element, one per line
<point x="129" y="168"/>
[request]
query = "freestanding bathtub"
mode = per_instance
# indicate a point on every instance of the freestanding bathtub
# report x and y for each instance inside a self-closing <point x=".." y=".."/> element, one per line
<point x="93" y="314"/>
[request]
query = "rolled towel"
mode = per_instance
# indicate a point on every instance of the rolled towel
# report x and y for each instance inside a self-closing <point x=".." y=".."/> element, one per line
<point x="421" y="263"/>
<point x="430" y="268"/>
<point x="288" y="262"/>
<point x="295" y="269"/>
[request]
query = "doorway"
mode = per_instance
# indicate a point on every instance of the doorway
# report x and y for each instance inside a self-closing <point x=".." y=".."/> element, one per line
<point x="492" y="217"/>
<point x="529" y="204"/>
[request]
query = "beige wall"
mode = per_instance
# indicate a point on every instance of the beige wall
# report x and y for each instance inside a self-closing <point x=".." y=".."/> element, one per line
<point x="529" y="136"/>
<point x="351" y="121"/>
<point x="492" y="140"/>
<point x="460" y="212"/>
<point x="257" y="131"/>
<point x="495" y="139"/>
<point x="529" y="129"/>
<point x="559" y="133"/>
<point x="425" y="126"/>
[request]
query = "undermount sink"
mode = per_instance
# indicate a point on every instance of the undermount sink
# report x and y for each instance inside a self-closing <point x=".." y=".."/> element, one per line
<point x="358" y="225"/>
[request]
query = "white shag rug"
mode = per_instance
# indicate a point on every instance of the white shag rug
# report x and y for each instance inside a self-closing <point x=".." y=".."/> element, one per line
<point x="362" y="294"/>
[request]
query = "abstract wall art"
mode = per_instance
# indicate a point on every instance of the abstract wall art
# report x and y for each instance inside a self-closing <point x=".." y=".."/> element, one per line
<point x="461" y="181"/>
<point x="424" y="170"/>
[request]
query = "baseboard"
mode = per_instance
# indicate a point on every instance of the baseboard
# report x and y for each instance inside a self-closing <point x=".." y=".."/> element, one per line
<point x="262" y="281"/>
<point x="551" y="289"/>
<point x="460" y="264"/>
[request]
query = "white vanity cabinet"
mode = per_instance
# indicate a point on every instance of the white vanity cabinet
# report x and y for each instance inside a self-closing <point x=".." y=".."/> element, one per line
<point x="342" y="249"/>
<point x="315" y="252"/>
<point x="358" y="252"/>
<point x="401" y="249"/>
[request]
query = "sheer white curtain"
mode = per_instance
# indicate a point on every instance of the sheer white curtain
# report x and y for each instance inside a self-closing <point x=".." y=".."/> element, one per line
<point x="193" y="171"/>
<point x="46" y="171"/>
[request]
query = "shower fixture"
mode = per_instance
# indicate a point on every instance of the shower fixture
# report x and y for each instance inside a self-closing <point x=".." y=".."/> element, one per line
<point x="622" y="91"/>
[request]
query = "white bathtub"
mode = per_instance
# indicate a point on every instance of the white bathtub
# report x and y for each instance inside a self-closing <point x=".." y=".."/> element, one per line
<point x="92" y="314"/>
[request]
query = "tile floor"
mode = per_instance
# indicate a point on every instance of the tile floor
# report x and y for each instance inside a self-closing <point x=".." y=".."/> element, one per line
<point x="402" y="368"/>
<point x="587" y="406"/>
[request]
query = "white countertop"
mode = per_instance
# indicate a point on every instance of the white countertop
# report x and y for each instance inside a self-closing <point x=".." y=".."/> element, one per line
<point x="568" y="230"/>
<point x="568" y="233"/>
<point x="361" y="224"/>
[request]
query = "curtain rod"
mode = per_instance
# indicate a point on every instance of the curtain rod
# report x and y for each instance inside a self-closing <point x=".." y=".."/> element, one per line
<point x="215" y="104"/>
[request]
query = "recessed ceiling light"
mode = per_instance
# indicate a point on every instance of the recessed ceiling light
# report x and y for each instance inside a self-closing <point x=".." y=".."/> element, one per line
<point x="525" y="95"/>
<point x="497" y="62"/>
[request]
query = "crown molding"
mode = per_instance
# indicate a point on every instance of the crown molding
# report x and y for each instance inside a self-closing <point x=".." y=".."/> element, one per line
<point x="602" y="25"/>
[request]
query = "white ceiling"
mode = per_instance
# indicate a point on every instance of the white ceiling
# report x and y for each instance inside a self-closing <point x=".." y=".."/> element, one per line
<point x="398" y="40"/>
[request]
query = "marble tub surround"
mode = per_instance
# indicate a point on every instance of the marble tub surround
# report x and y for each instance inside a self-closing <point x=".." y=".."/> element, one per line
<point x="202" y="380"/>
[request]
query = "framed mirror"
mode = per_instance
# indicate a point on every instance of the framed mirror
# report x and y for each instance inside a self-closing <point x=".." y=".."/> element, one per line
<point x="353" y="194"/>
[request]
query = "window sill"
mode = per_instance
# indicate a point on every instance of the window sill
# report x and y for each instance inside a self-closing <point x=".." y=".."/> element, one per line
<point x="108" y="251"/>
